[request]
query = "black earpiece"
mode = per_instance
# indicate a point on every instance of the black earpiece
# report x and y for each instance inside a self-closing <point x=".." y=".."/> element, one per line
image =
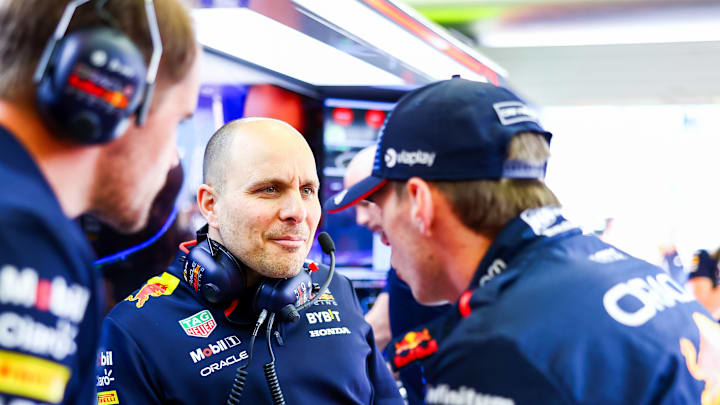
<point x="91" y="81"/>
<point x="282" y="296"/>
<point x="213" y="272"/>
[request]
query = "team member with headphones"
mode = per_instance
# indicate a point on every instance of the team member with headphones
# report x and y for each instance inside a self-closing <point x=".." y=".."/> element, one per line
<point x="90" y="98"/>
<point x="188" y="336"/>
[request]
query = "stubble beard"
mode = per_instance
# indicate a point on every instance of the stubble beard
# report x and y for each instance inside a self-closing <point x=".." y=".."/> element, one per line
<point x="111" y="204"/>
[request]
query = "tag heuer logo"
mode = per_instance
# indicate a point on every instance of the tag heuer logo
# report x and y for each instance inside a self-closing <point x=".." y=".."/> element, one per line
<point x="199" y="325"/>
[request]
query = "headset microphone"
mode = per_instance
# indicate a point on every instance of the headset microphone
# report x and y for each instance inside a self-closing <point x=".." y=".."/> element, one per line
<point x="328" y="247"/>
<point x="280" y="297"/>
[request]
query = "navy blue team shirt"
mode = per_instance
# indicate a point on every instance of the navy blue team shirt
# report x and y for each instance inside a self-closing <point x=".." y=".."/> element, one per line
<point x="165" y="344"/>
<point x="557" y="317"/>
<point x="405" y="314"/>
<point x="50" y="300"/>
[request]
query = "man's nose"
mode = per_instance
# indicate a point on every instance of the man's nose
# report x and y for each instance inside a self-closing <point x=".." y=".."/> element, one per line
<point x="293" y="207"/>
<point x="361" y="216"/>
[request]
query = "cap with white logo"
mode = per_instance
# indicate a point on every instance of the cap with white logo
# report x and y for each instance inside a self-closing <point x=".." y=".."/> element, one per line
<point x="451" y="130"/>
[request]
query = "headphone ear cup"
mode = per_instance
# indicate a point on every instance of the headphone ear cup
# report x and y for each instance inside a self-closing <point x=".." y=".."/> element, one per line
<point x="219" y="278"/>
<point x="95" y="80"/>
<point x="281" y="295"/>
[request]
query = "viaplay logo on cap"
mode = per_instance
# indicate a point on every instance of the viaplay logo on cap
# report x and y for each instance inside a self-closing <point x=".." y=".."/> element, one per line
<point x="418" y="157"/>
<point x="390" y="158"/>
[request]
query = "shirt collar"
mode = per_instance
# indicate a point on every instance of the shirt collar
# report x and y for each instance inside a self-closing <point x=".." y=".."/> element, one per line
<point x="530" y="226"/>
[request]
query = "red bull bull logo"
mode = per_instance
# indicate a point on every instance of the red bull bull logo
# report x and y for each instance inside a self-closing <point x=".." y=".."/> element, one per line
<point x="414" y="346"/>
<point x="704" y="363"/>
<point x="155" y="287"/>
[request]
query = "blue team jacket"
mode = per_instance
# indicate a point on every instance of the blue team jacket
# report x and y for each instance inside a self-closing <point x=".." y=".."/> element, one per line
<point x="557" y="317"/>
<point x="51" y="303"/>
<point x="165" y="344"/>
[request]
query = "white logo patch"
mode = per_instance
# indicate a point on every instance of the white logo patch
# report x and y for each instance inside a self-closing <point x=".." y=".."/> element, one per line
<point x="221" y="345"/>
<point x="512" y="112"/>
<point x="329" y="331"/>
<point x="418" y="157"/>
<point x="338" y="198"/>
<point x="443" y="394"/>
<point x="390" y="158"/>
<point x="22" y="332"/>
<point x="608" y="255"/>
<point x="232" y="359"/>
<point x="655" y="294"/>
<point x="98" y="58"/>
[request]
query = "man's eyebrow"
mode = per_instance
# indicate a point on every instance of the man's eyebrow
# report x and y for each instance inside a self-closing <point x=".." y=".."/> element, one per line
<point x="313" y="183"/>
<point x="276" y="180"/>
<point x="265" y="180"/>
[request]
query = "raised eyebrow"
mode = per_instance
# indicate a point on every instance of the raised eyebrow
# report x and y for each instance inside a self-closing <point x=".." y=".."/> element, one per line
<point x="277" y="181"/>
<point x="312" y="183"/>
<point x="265" y="182"/>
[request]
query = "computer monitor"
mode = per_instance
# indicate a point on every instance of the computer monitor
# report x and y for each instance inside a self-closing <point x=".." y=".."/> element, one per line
<point x="348" y="127"/>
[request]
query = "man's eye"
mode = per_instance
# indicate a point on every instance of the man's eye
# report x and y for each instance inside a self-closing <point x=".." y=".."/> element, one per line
<point x="270" y="189"/>
<point x="308" y="190"/>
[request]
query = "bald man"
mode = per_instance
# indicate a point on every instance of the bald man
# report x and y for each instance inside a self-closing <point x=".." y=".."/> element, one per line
<point x="395" y="311"/>
<point x="186" y="336"/>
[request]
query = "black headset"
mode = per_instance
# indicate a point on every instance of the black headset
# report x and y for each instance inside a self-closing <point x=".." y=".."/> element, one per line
<point x="91" y="81"/>
<point x="219" y="277"/>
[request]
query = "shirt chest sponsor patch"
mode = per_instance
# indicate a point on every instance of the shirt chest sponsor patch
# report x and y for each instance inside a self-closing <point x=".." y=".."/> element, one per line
<point x="25" y="288"/>
<point x="32" y="377"/>
<point x="199" y="325"/>
<point x="329" y="332"/>
<point x="328" y="316"/>
<point x="325" y="299"/>
<point x="107" y="397"/>
<point x="211" y="349"/>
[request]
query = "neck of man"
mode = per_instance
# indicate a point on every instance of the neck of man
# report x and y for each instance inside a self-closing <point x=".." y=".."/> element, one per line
<point x="461" y="250"/>
<point x="252" y="276"/>
<point x="68" y="168"/>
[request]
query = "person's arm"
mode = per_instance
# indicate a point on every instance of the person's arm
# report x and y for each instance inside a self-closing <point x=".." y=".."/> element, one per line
<point x="126" y="378"/>
<point x="704" y="292"/>
<point x="379" y="318"/>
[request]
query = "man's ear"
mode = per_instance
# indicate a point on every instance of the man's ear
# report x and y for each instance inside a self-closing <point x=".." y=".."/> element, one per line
<point x="422" y="208"/>
<point x="207" y="199"/>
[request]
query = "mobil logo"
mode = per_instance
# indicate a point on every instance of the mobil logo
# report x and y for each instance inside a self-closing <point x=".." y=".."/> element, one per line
<point x="214" y="348"/>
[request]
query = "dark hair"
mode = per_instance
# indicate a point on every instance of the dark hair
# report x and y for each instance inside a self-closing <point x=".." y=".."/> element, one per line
<point x="485" y="206"/>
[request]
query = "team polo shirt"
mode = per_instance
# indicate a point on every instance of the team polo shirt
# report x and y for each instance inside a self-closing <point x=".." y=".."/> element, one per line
<point x="554" y="316"/>
<point x="50" y="300"/>
<point x="165" y="344"/>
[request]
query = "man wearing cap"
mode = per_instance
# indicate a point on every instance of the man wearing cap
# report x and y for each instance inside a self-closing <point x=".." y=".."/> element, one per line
<point x="395" y="311"/>
<point x="544" y="314"/>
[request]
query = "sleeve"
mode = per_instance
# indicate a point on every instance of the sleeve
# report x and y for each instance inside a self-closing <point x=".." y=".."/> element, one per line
<point x="45" y="329"/>
<point x="488" y="371"/>
<point x="384" y="386"/>
<point x="703" y="265"/>
<point x="122" y="375"/>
